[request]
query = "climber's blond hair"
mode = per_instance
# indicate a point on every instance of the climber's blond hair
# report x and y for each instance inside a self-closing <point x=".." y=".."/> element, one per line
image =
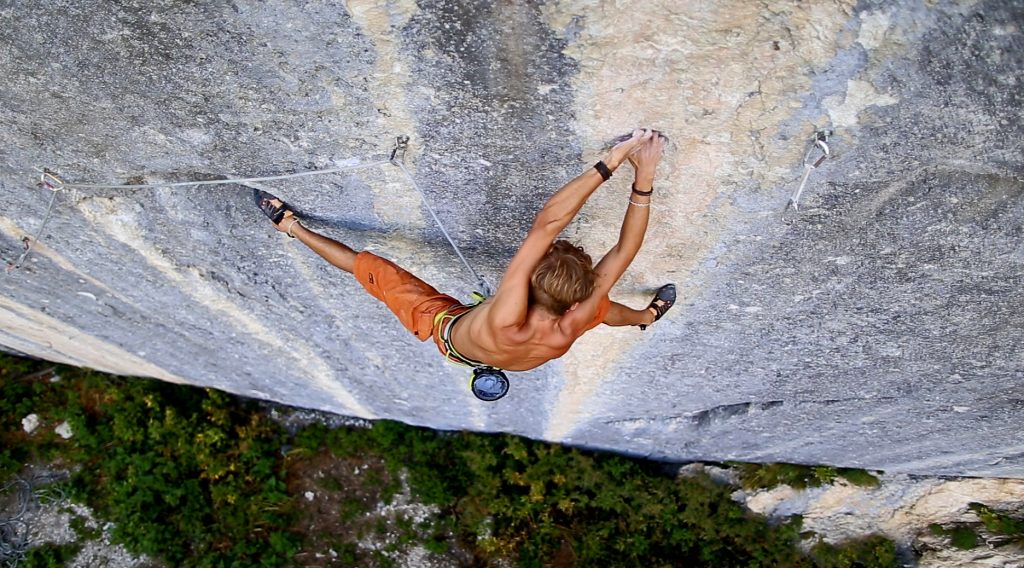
<point x="564" y="277"/>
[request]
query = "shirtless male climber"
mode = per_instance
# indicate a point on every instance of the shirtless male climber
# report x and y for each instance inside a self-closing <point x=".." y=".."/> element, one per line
<point x="551" y="293"/>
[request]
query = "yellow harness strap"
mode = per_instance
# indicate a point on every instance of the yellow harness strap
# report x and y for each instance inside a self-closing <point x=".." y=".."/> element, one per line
<point x="445" y="321"/>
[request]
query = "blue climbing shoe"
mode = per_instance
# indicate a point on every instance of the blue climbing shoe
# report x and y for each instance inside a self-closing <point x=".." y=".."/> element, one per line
<point x="663" y="300"/>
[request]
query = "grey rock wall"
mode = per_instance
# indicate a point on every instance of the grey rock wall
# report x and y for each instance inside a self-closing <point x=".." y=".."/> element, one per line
<point x="879" y="326"/>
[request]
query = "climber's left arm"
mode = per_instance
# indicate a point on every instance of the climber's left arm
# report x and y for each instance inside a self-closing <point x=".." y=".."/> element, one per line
<point x="634" y="224"/>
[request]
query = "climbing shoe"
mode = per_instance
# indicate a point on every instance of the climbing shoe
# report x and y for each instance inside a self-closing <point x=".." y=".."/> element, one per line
<point x="664" y="299"/>
<point x="274" y="212"/>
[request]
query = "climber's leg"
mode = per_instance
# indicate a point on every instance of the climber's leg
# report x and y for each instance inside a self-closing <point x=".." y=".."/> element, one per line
<point x="619" y="315"/>
<point x="338" y="254"/>
<point x="284" y="220"/>
<point x="412" y="300"/>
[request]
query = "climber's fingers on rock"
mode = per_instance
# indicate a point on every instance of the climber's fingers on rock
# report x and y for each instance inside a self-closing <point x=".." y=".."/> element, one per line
<point x="659" y="141"/>
<point x="627" y="148"/>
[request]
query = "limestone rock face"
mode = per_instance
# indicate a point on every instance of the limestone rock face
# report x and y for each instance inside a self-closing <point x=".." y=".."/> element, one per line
<point x="879" y="325"/>
<point x="904" y="508"/>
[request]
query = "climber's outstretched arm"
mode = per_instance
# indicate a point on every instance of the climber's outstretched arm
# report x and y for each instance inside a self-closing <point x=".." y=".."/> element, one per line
<point x="511" y="300"/>
<point x="634" y="225"/>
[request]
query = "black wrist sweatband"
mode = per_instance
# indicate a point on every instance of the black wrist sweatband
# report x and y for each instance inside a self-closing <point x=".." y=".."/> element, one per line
<point x="643" y="193"/>
<point x="602" y="169"/>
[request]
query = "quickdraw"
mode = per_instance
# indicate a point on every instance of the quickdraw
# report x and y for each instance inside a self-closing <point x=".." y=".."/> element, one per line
<point x="819" y="143"/>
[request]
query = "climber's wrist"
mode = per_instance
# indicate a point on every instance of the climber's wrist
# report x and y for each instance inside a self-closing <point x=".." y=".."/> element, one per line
<point x="643" y="180"/>
<point x="290" y="225"/>
<point x="612" y="161"/>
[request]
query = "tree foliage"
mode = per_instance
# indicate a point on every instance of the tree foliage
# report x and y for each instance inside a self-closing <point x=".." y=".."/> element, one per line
<point x="187" y="475"/>
<point x="196" y="477"/>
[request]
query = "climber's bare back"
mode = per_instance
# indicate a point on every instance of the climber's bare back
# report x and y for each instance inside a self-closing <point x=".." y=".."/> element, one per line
<point x="540" y="338"/>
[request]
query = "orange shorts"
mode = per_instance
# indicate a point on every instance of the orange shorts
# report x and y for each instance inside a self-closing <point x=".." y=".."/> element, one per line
<point x="415" y="302"/>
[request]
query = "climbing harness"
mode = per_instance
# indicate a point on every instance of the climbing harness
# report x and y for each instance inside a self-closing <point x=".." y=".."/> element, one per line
<point x="51" y="181"/>
<point x="487" y="383"/>
<point x="818" y="143"/>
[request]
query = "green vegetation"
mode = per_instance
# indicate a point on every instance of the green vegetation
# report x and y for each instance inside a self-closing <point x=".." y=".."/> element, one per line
<point x="963" y="538"/>
<point x="512" y="497"/>
<point x="50" y="556"/>
<point x="874" y="550"/>
<point x="194" y="477"/>
<point x="186" y="474"/>
<point x="78" y="525"/>
<point x="965" y="535"/>
<point x="859" y="477"/>
<point x="764" y="476"/>
<point x="1000" y="523"/>
<point x="960" y="536"/>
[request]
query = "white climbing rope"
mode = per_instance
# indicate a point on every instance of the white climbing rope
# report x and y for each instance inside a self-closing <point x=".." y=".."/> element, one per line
<point x="49" y="180"/>
<point x="397" y="158"/>
<point x="63" y="185"/>
<point x="44" y="181"/>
